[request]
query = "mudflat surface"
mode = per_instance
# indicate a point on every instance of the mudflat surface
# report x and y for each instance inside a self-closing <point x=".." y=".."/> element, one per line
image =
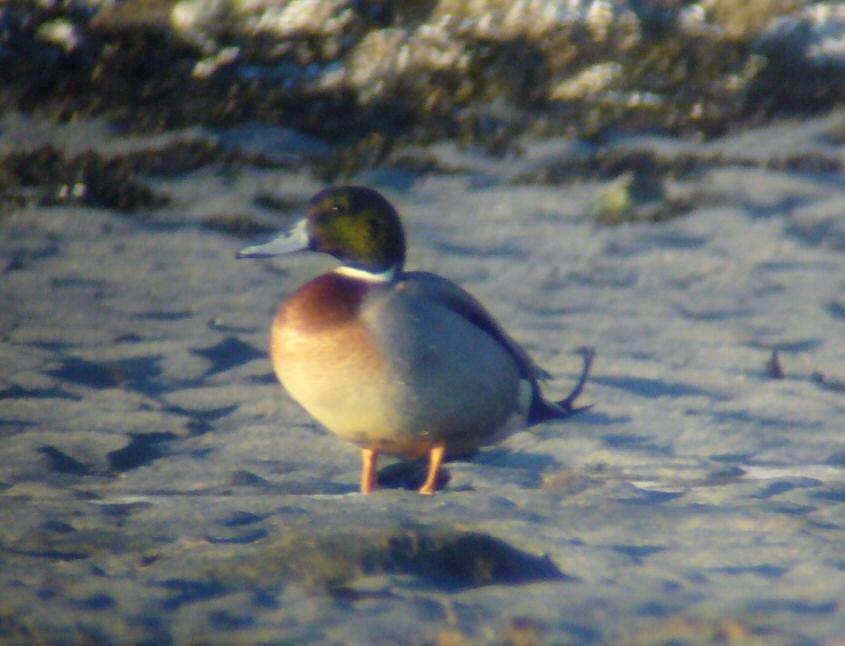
<point x="157" y="485"/>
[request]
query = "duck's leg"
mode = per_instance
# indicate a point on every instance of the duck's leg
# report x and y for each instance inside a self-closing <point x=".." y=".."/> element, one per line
<point x="435" y="459"/>
<point x="369" y="471"/>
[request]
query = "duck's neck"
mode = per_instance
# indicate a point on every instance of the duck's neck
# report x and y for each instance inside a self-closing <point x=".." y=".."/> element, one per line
<point x="360" y="273"/>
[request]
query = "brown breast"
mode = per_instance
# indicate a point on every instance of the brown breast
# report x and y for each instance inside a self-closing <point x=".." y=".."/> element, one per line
<point x="327" y="301"/>
<point x="318" y="338"/>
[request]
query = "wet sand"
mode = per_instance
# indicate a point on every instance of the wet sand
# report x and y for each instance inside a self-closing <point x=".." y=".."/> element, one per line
<point x="157" y="485"/>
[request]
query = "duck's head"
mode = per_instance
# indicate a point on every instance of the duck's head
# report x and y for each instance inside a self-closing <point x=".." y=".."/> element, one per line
<point x="355" y="224"/>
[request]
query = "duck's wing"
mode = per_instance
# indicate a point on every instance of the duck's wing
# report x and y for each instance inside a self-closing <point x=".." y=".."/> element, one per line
<point x="448" y="294"/>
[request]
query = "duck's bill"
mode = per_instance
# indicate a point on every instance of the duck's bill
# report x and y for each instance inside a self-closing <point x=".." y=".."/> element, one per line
<point x="296" y="239"/>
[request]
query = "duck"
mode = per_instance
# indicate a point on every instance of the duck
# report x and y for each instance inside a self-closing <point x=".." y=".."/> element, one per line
<point x="404" y="363"/>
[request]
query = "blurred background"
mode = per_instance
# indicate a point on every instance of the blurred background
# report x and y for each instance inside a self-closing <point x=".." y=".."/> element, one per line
<point x="374" y="78"/>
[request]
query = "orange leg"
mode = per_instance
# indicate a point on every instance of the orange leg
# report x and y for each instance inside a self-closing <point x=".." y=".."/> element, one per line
<point x="435" y="459"/>
<point x="369" y="473"/>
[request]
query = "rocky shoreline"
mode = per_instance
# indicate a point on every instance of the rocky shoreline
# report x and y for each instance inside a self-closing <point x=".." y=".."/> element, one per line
<point x="480" y="72"/>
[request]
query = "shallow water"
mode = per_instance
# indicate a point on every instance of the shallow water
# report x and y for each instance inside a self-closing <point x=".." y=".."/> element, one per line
<point x="158" y="485"/>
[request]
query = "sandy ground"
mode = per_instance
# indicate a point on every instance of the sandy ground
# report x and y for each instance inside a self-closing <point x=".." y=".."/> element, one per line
<point x="157" y="485"/>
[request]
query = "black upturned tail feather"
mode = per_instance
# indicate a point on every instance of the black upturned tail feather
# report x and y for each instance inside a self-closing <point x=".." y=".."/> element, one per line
<point x="542" y="409"/>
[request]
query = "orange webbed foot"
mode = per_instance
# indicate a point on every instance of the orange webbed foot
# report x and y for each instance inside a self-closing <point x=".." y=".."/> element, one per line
<point x="369" y="472"/>
<point x="434" y="461"/>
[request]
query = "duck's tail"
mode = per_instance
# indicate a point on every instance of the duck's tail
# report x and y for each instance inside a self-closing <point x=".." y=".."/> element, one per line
<point x="542" y="409"/>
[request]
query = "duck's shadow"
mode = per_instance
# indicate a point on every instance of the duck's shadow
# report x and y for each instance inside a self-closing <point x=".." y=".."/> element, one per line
<point x="410" y="474"/>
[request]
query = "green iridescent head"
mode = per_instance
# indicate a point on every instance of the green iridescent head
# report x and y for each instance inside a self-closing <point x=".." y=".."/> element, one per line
<point x="355" y="224"/>
<point x="358" y="226"/>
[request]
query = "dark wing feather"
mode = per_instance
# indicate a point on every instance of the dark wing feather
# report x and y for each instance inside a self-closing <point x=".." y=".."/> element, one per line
<point x="448" y="294"/>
